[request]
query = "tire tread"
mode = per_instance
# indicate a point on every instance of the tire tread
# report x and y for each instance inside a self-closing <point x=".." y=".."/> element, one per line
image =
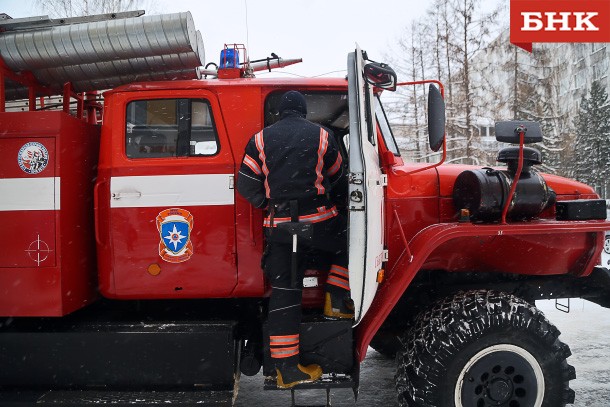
<point x="439" y="333"/>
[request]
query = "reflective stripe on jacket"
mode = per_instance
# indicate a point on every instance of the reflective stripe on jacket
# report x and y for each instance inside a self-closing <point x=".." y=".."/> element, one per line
<point x="291" y="159"/>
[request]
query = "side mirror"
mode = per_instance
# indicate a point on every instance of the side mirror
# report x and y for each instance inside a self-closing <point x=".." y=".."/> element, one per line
<point x="380" y="75"/>
<point x="508" y="132"/>
<point x="436" y="118"/>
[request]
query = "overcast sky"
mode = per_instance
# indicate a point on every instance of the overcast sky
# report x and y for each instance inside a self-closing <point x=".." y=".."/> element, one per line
<point x="321" y="32"/>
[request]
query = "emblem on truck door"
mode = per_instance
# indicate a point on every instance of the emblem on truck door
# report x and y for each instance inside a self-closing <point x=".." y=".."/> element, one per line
<point x="175" y="226"/>
<point x="33" y="157"/>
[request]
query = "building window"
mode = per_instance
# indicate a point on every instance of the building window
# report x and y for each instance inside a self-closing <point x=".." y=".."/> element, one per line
<point x="564" y="85"/>
<point x="596" y="46"/>
<point x="580" y="52"/>
<point x="600" y="69"/>
<point x="170" y="128"/>
<point x="487" y="133"/>
<point x="580" y="79"/>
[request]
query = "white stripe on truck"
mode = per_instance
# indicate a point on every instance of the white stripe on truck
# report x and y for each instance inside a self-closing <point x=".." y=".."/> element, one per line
<point x="171" y="190"/>
<point x="29" y="194"/>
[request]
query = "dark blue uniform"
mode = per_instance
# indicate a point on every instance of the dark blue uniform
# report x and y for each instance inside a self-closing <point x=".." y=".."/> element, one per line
<point x="295" y="160"/>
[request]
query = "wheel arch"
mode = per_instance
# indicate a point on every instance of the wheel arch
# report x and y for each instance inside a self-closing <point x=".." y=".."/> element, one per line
<point x="422" y="245"/>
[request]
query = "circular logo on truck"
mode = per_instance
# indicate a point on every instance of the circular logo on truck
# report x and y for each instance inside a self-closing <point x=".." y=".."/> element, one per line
<point x="33" y="157"/>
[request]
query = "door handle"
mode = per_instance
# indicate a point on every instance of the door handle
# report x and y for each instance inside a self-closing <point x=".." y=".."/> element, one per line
<point x="131" y="194"/>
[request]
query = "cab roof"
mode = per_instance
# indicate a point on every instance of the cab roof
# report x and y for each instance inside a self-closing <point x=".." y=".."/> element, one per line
<point x="301" y="83"/>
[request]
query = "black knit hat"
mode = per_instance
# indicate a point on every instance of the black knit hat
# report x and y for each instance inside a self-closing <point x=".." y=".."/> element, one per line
<point x="292" y="101"/>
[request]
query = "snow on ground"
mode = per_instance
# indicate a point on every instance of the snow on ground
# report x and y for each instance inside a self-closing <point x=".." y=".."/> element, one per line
<point x="586" y="329"/>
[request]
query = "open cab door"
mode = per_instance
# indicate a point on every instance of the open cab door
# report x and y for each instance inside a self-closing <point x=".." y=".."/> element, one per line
<point x="366" y="183"/>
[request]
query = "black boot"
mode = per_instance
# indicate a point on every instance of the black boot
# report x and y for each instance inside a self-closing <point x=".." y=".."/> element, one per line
<point x="290" y="373"/>
<point x="337" y="301"/>
<point x="338" y="305"/>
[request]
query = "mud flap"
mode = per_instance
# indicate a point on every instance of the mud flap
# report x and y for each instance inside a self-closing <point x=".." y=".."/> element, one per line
<point x="598" y="283"/>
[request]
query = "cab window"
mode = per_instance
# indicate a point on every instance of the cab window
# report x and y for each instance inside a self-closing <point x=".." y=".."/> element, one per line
<point x="170" y="128"/>
<point x="386" y="129"/>
<point x="329" y="109"/>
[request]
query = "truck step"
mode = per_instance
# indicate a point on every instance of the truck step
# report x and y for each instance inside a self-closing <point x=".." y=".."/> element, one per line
<point x="326" y="382"/>
<point x="77" y="398"/>
<point x="327" y="404"/>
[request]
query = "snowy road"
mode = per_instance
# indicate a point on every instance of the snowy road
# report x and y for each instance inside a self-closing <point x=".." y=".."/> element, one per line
<point x="586" y="329"/>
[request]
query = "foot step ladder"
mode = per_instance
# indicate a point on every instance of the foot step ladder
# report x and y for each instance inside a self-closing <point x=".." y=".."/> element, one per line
<point x="327" y="382"/>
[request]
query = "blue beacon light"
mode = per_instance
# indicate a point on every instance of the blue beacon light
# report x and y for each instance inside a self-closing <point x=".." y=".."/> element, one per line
<point x="229" y="58"/>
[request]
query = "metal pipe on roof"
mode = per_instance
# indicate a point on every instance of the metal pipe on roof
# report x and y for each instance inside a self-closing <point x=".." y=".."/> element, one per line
<point x="99" y="41"/>
<point x="16" y="91"/>
<point x="112" y="82"/>
<point x="200" y="48"/>
<point x="122" y="67"/>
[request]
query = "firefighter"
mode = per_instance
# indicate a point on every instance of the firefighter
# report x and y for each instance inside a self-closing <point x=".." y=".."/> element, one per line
<point x="294" y="169"/>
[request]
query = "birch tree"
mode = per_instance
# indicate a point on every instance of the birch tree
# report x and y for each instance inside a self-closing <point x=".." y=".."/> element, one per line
<point x="472" y="32"/>
<point x="407" y="105"/>
<point x="535" y="98"/>
<point x="441" y="46"/>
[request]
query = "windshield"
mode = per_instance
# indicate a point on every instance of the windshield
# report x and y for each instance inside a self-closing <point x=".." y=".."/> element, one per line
<point x="328" y="109"/>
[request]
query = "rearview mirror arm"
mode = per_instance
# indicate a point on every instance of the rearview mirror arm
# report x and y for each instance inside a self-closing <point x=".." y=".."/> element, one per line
<point x="442" y="90"/>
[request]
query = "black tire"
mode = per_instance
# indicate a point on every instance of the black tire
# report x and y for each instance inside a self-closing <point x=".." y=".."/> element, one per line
<point x="387" y="343"/>
<point x="505" y="349"/>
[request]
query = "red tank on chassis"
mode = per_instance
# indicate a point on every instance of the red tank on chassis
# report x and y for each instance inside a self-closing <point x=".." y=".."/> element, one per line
<point x="123" y="234"/>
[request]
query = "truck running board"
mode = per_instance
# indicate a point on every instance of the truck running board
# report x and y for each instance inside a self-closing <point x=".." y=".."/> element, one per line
<point x="84" y="354"/>
<point x="327" y="383"/>
<point x="77" y="398"/>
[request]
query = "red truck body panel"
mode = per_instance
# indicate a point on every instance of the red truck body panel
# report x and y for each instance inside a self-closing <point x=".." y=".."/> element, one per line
<point x="425" y="198"/>
<point x="47" y="261"/>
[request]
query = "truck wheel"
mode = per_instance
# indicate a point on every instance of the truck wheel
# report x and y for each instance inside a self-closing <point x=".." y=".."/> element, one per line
<point x="386" y="343"/>
<point x="483" y="348"/>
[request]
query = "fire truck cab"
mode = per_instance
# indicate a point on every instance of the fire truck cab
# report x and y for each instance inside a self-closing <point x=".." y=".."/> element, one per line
<point x="166" y="176"/>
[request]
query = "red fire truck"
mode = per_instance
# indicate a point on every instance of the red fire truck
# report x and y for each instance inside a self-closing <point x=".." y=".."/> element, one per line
<point x="130" y="268"/>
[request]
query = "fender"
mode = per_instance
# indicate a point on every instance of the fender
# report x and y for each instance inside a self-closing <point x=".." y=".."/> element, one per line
<point x="428" y="239"/>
